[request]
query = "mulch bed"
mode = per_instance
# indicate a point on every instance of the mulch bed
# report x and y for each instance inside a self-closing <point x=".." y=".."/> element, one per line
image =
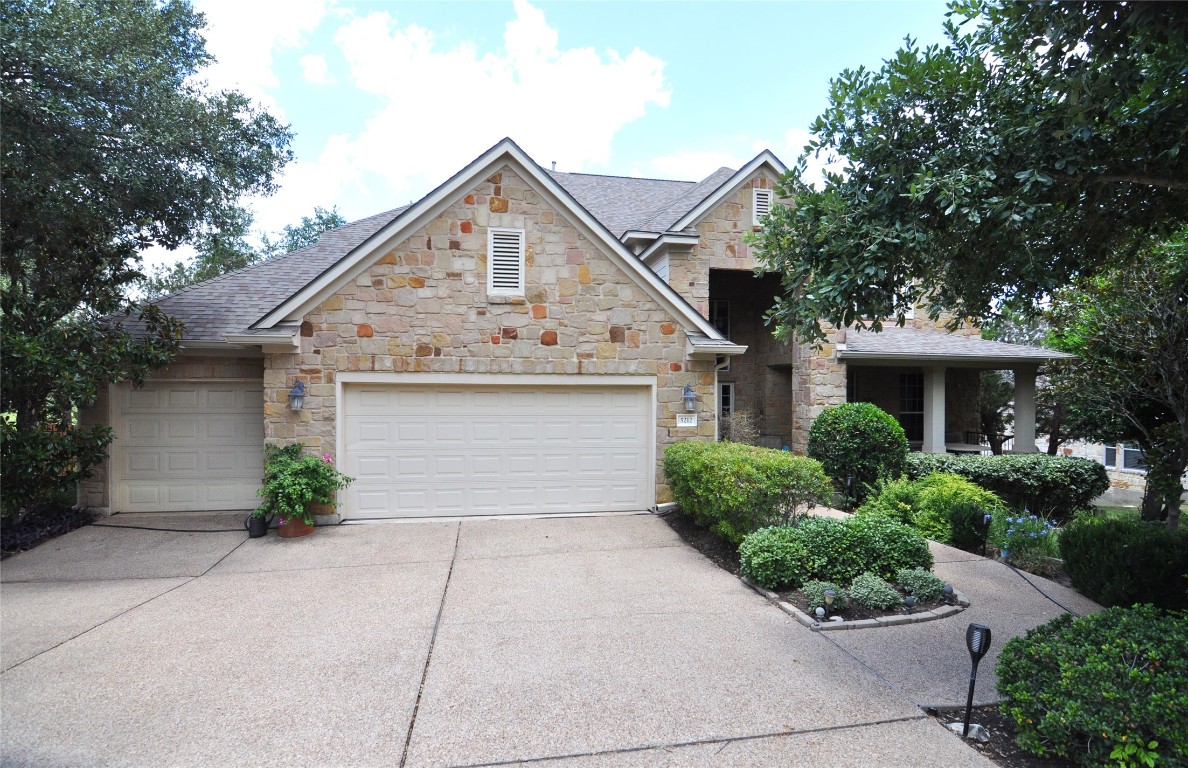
<point x="41" y="524"/>
<point x="1001" y="749"/>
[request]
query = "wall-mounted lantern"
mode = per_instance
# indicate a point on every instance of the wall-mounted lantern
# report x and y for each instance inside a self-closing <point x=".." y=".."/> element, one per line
<point x="297" y="396"/>
<point x="690" y="398"/>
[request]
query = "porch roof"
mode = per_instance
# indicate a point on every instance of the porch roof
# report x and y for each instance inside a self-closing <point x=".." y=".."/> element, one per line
<point x="928" y="347"/>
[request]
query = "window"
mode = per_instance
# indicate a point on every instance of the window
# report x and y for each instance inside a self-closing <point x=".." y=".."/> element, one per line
<point x="760" y="205"/>
<point x="1133" y="457"/>
<point x="1111" y="456"/>
<point x="726" y="398"/>
<point x="505" y="262"/>
<point x="911" y="405"/>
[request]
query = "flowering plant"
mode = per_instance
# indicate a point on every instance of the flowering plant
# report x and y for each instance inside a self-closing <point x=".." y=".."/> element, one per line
<point x="1024" y="535"/>
<point x="294" y="482"/>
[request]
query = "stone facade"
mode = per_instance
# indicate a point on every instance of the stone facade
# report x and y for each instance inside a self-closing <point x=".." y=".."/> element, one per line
<point x="423" y="307"/>
<point x="722" y="244"/>
<point x="95" y="491"/>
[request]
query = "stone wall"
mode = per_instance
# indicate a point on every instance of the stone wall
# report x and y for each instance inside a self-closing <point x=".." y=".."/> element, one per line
<point x="423" y="307"/>
<point x="95" y="491"/>
<point x="722" y="243"/>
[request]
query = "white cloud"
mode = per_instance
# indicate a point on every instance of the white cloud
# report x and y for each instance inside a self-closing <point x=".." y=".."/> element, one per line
<point x="444" y="106"/>
<point x="242" y="37"/>
<point x="816" y="164"/>
<point x="313" y="67"/>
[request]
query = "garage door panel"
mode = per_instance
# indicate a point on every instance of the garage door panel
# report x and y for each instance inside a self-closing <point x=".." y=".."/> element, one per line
<point x="186" y="446"/>
<point x="421" y="451"/>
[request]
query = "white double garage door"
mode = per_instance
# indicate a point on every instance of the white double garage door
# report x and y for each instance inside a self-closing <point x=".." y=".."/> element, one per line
<point x="416" y="450"/>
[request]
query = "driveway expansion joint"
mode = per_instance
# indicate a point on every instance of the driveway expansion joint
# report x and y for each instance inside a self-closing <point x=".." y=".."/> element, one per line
<point x="723" y="741"/>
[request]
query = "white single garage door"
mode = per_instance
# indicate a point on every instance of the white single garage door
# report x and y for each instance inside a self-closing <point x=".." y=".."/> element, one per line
<point x="185" y="446"/>
<point x="432" y="451"/>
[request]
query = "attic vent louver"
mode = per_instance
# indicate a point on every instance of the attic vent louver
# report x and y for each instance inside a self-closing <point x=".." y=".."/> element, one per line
<point x="505" y="273"/>
<point x="761" y="205"/>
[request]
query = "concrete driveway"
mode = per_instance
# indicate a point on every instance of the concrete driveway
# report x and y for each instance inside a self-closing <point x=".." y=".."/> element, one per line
<point x="570" y="642"/>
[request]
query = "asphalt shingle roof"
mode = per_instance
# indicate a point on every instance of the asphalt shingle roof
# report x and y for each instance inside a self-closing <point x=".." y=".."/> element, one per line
<point x="915" y="342"/>
<point x="621" y="202"/>
<point x="232" y="302"/>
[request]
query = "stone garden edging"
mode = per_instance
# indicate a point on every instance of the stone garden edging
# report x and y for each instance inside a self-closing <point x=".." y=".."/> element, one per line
<point x="961" y="602"/>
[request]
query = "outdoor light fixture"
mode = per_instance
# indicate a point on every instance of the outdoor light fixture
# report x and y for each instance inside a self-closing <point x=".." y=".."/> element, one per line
<point x="820" y="613"/>
<point x="690" y="398"/>
<point x="977" y="640"/>
<point x="297" y="396"/>
<point x="830" y="596"/>
<point x="948" y="594"/>
<point x="908" y="602"/>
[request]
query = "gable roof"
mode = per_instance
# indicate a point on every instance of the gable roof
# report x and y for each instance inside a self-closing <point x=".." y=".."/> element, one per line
<point x="505" y="153"/>
<point x="260" y="303"/>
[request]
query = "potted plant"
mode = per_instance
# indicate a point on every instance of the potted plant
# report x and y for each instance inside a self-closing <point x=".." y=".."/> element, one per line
<point x="294" y="483"/>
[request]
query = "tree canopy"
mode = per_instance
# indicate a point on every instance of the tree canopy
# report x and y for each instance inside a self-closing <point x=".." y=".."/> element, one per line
<point x="111" y="143"/>
<point x="1129" y="329"/>
<point x="1043" y="143"/>
<point x="228" y="250"/>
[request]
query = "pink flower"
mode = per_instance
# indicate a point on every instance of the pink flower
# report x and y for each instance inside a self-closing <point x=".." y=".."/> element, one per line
<point x="327" y="458"/>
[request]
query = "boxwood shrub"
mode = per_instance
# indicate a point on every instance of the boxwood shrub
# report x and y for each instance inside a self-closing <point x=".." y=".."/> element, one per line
<point x="734" y="489"/>
<point x="1120" y="562"/>
<point x="860" y="442"/>
<point x="827" y="549"/>
<point x="924" y="585"/>
<point x="1083" y="688"/>
<point x="1049" y="486"/>
<point x="870" y="591"/>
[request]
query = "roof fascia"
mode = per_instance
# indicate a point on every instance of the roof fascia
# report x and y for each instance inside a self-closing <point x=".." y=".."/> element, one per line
<point x="432" y="204"/>
<point x="957" y="361"/>
<point x="701" y="209"/>
<point x="664" y="241"/>
<point x="268" y="342"/>
<point x="702" y="350"/>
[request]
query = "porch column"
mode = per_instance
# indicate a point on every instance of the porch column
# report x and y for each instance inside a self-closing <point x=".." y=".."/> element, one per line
<point x="934" y="410"/>
<point x="1025" y="409"/>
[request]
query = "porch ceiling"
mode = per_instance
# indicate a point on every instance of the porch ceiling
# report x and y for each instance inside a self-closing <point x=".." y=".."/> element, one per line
<point x="914" y="346"/>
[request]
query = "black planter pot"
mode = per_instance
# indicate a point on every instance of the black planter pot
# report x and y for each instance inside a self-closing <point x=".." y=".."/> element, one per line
<point x="256" y="526"/>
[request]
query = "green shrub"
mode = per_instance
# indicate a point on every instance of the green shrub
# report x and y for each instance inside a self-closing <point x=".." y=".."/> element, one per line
<point x="1120" y="562"/>
<point x="1049" y="486"/>
<point x="734" y="489"/>
<point x="831" y="550"/>
<point x="943" y="507"/>
<point x="871" y="591"/>
<point x="892" y="498"/>
<point x="884" y="547"/>
<point x="1083" y="688"/>
<point x="859" y="442"/>
<point x="814" y="594"/>
<point x="773" y="558"/>
<point x="921" y="584"/>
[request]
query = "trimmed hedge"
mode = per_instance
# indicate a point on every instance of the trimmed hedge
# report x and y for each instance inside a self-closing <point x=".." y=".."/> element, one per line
<point x="943" y="507"/>
<point x="734" y="489"/>
<point x="1121" y="562"/>
<point x="859" y="441"/>
<point x="1088" y="688"/>
<point x="870" y="591"/>
<point x="1049" y="486"/>
<point x="826" y="549"/>
<point x="921" y="584"/>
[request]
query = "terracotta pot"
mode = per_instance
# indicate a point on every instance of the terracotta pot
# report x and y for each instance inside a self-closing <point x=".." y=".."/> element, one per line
<point x="294" y="527"/>
<point x="317" y="508"/>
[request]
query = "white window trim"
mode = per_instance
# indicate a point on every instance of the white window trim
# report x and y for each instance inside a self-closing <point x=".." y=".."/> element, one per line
<point x="761" y="200"/>
<point x="723" y="388"/>
<point x="492" y="289"/>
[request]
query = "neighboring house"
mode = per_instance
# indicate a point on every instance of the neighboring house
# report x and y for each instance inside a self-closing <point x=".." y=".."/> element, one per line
<point x="518" y="341"/>
<point x="1125" y="463"/>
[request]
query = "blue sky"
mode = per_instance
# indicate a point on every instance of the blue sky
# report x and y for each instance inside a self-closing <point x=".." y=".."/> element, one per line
<point x="387" y="99"/>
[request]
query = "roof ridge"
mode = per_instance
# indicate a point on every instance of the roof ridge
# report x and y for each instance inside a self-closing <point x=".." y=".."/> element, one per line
<point x="731" y="172"/>
<point x="620" y="176"/>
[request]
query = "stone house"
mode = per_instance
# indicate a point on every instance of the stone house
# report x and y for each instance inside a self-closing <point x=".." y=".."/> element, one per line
<point x="517" y="341"/>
